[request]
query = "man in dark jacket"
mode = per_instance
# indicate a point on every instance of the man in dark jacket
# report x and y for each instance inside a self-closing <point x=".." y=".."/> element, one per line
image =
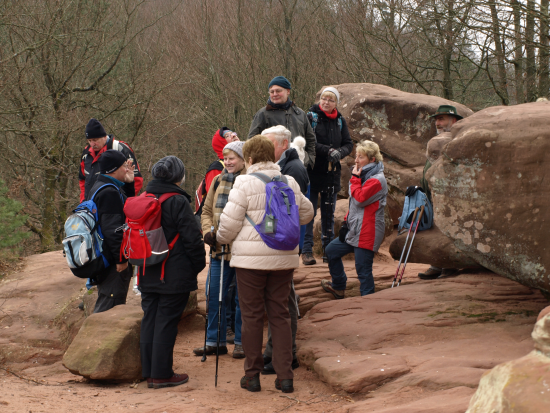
<point x="115" y="171"/>
<point x="280" y="110"/>
<point x="290" y="164"/>
<point x="163" y="302"/>
<point x="98" y="143"/>
<point x="333" y="144"/>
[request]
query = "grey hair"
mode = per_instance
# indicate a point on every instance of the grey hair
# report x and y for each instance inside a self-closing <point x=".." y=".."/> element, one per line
<point x="280" y="132"/>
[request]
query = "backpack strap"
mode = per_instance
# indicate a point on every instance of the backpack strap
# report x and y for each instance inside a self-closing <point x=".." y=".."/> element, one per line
<point x="166" y="196"/>
<point x="103" y="186"/>
<point x="340" y="123"/>
<point x="266" y="179"/>
<point x="314" y="119"/>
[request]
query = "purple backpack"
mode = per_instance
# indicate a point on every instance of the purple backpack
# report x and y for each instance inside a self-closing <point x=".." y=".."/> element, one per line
<point x="280" y="228"/>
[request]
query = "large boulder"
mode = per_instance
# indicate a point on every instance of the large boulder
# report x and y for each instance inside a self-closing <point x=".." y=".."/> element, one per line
<point x="107" y="346"/>
<point x="489" y="193"/>
<point x="431" y="247"/>
<point x="520" y="385"/>
<point x="397" y="121"/>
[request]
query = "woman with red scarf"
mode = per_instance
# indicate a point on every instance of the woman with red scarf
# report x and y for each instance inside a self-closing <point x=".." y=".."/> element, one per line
<point x="333" y="144"/>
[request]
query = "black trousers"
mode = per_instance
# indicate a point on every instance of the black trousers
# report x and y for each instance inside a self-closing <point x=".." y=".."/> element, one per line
<point x="113" y="290"/>
<point x="159" y="328"/>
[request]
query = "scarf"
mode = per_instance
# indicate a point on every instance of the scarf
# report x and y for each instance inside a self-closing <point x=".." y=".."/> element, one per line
<point x="331" y="115"/>
<point x="370" y="170"/>
<point x="115" y="181"/>
<point x="283" y="106"/>
<point x="226" y="183"/>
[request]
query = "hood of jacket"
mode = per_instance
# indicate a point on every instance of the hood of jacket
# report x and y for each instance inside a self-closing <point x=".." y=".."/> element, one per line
<point x="158" y="186"/>
<point x="290" y="154"/>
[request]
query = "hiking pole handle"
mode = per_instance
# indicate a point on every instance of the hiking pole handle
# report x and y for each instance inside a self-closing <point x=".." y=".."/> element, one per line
<point x="404" y="247"/>
<point x="410" y="246"/>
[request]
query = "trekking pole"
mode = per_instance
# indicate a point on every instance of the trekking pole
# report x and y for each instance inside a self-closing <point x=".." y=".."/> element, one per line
<point x="410" y="246"/>
<point x="404" y="247"/>
<point x="203" y="359"/>
<point x="219" y="316"/>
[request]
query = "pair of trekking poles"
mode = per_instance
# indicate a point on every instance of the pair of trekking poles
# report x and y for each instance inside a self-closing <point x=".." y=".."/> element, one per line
<point x="220" y="303"/>
<point x="405" y="246"/>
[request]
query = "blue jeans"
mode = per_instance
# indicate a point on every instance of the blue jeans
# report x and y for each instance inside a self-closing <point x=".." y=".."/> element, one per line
<point x="214" y="282"/>
<point x="308" y="241"/>
<point x="363" y="265"/>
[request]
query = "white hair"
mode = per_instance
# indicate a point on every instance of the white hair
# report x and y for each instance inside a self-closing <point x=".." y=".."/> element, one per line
<point x="280" y="133"/>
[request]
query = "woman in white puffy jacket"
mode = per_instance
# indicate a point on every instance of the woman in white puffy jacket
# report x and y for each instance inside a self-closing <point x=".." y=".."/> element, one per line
<point x="263" y="274"/>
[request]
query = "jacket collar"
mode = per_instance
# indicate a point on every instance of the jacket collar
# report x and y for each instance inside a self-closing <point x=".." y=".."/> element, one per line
<point x="263" y="166"/>
<point x="158" y="186"/>
<point x="270" y="107"/>
<point x="289" y="155"/>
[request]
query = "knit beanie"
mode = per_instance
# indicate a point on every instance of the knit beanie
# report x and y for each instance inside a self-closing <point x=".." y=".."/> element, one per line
<point x="332" y="90"/>
<point x="110" y="161"/>
<point x="169" y="169"/>
<point x="236" y="147"/>
<point x="219" y="142"/>
<point x="94" y="129"/>
<point x="280" y="81"/>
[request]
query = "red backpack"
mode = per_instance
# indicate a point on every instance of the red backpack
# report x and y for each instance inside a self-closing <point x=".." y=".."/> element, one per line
<point x="144" y="243"/>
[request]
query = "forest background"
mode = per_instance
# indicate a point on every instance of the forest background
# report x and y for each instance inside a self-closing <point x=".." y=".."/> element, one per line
<point x="164" y="75"/>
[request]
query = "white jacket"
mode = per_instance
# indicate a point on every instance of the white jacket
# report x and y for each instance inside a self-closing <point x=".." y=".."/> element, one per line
<point x="248" y="197"/>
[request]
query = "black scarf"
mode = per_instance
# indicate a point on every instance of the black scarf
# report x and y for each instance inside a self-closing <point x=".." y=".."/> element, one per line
<point x="283" y="106"/>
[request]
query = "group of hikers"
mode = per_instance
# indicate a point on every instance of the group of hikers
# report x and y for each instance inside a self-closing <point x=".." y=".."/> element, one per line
<point x="289" y="152"/>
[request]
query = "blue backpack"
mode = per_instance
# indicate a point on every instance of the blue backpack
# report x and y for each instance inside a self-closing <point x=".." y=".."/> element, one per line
<point x="414" y="198"/>
<point x="83" y="242"/>
<point x="280" y="228"/>
<point x="314" y="120"/>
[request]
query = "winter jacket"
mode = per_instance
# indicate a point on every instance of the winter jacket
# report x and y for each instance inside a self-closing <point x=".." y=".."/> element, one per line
<point x="291" y="165"/>
<point x="188" y="257"/>
<point x="328" y="135"/>
<point x="294" y="119"/>
<point x="207" y="217"/>
<point x="89" y="168"/>
<point x="366" y="211"/>
<point x="110" y="212"/>
<point x="248" y="197"/>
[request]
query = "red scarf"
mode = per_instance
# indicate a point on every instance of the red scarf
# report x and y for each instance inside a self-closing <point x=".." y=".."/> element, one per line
<point x="331" y="115"/>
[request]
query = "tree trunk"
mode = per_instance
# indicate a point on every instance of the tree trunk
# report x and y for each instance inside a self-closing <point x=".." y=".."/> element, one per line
<point x="544" y="51"/>
<point x="518" y="52"/>
<point x="48" y="232"/>
<point x="502" y="88"/>
<point x="530" y="67"/>
<point x="448" y="53"/>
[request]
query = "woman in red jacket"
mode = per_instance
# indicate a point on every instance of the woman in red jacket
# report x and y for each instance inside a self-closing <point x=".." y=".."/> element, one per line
<point x="365" y="222"/>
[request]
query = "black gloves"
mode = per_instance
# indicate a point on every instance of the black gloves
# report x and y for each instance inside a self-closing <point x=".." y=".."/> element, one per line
<point x="210" y="238"/>
<point x="334" y="155"/>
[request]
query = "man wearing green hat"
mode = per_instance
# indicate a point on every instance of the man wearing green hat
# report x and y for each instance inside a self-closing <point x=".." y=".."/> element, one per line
<point x="280" y="110"/>
<point x="445" y="117"/>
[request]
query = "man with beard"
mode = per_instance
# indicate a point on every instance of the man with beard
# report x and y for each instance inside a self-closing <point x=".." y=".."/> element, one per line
<point x="445" y="117"/>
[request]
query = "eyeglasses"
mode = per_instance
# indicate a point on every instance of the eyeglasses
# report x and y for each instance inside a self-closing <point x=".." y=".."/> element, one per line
<point x="328" y="100"/>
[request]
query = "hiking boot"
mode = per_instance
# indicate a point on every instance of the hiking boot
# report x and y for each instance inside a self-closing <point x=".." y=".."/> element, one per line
<point x="150" y="383"/>
<point x="230" y="337"/>
<point x="251" y="383"/>
<point x="81" y="306"/>
<point x="267" y="360"/>
<point x="238" y="352"/>
<point x="431" y="274"/>
<point x="327" y="286"/>
<point x="199" y="351"/>
<point x="173" y="381"/>
<point x="285" y="385"/>
<point x="448" y="272"/>
<point x="268" y="368"/>
<point x="308" y="259"/>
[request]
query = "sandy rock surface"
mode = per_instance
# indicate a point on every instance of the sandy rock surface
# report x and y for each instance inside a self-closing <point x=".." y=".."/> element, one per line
<point x="399" y="123"/>
<point x="107" y="346"/>
<point x="428" y="340"/>
<point x="490" y="193"/>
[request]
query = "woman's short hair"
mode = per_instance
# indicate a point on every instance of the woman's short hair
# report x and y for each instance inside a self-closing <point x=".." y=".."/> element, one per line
<point x="227" y="152"/>
<point x="280" y="133"/>
<point x="329" y="94"/>
<point x="260" y="149"/>
<point x="370" y="150"/>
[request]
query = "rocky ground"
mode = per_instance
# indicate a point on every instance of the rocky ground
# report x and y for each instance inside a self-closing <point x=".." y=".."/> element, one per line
<point x="421" y="347"/>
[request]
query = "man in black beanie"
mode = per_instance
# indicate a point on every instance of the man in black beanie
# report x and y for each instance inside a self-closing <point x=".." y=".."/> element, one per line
<point x="115" y="171"/>
<point x="280" y="110"/>
<point x="98" y="143"/>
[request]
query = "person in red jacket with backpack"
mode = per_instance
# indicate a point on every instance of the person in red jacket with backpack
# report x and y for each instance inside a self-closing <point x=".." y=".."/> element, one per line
<point x="364" y="222"/>
<point x="98" y="143"/>
<point x="163" y="301"/>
